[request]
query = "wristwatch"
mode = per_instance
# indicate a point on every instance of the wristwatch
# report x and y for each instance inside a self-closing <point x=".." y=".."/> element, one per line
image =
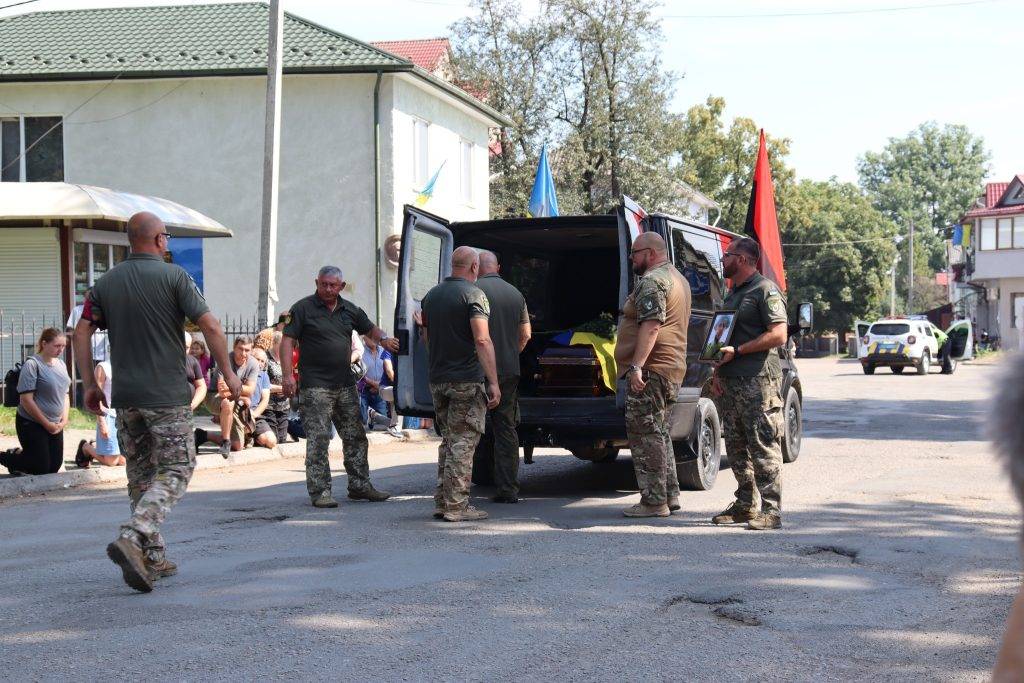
<point x="736" y="352"/>
<point x="635" y="367"/>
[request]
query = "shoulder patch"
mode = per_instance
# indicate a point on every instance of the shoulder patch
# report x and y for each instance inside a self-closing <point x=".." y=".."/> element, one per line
<point x="775" y="303"/>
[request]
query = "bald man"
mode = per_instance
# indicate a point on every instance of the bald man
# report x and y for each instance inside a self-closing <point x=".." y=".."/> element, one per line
<point x="454" y="322"/>
<point x="650" y="354"/>
<point x="509" y="325"/>
<point x="142" y="303"/>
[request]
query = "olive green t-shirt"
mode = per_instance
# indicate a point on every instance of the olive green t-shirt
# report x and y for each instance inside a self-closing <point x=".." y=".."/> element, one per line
<point x="758" y="303"/>
<point x="447" y="309"/>
<point x="508" y="315"/>
<point x="142" y="302"/>
<point x="325" y="340"/>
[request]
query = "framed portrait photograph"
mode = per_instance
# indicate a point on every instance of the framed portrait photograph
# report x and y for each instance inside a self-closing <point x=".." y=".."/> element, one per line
<point x="719" y="335"/>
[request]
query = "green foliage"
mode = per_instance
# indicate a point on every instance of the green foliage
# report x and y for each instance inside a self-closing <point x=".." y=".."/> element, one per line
<point x="931" y="176"/>
<point x="77" y="419"/>
<point x="845" y="279"/>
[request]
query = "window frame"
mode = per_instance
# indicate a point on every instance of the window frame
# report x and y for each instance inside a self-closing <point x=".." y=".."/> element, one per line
<point x="1000" y="222"/>
<point x="22" y="158"/>
<point x="992" y="223"/>
<point x="1017" y="229"/>
<point x="420" y="157"/>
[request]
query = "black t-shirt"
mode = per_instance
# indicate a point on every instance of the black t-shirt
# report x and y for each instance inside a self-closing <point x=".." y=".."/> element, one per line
<point x="193" y="372"/>
<point x="508" y="315"/>
<point x="325" y="340"/>
<point x="448" y="308"/>
<point x="758" y="303"/>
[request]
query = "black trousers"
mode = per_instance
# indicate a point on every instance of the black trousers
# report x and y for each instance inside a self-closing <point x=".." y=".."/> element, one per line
<point x="41" y="451"/>
<point x="278" y="421"/>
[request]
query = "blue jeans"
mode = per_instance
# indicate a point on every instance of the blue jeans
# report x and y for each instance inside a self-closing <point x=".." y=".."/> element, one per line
<point x="371" y="400"/>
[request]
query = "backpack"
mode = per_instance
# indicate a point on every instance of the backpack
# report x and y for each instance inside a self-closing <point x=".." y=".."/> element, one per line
<point x="11" y="386"/>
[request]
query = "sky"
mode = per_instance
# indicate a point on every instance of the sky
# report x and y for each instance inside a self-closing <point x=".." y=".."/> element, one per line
<point x="836" y="84"/>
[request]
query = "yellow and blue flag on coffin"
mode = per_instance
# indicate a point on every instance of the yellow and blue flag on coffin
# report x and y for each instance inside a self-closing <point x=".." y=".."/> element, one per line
<point x="428" y="190"/>
<point x="543" y="202"/>
<point x="604" y="349"/>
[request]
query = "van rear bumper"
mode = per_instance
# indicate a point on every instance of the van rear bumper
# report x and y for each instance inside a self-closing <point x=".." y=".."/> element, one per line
<point x="557" y="421"/>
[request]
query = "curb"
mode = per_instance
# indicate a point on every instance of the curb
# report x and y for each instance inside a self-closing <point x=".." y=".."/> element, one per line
<point x="13" y="487"/>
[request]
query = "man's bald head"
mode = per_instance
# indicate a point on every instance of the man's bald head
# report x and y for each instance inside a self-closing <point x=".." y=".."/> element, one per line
<point x="488" y="262"/>
<point x="647" y="252"/>
<point x="466" y="263"/>
<point x="650" y="240"/>
<point x="144" y="233"/>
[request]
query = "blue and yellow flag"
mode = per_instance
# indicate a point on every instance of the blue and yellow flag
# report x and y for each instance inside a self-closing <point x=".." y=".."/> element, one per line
<point x="543" y="202"/>
<point x="428" y="191"/>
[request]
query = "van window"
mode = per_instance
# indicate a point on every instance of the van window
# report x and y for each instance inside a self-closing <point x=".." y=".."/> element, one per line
<point x="890" y="328"/>
<point x="425" y="266"/>
<point x="697" y="256"/>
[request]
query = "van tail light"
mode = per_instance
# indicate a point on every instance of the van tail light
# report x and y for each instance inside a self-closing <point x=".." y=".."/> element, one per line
<point x="911" y="340"/>
<point x="864" y="340"/>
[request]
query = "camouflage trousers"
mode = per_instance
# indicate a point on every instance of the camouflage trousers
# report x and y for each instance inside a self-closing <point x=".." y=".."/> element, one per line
<point x="504" y="419"/>
<point x="160" y="455"/>
<point x="649" y="439"/>
<point x="461" y="412"/>
<point x="752" y="424"/>
<point x="319" y="407"/>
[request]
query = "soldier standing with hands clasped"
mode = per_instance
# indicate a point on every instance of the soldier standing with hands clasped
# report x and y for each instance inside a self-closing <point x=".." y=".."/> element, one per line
<point x="454" y="323"/>
<point x="651" y="345"/>
<point x="748" y="390"/>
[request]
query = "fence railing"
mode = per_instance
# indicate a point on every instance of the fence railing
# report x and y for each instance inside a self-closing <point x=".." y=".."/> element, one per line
<point x="20" y="330"/>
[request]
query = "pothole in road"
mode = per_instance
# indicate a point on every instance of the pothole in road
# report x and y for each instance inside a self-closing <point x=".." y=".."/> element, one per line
<point x="258" y="519"/>
<point x="723" y="607"/>
<point x="835" y="550"/>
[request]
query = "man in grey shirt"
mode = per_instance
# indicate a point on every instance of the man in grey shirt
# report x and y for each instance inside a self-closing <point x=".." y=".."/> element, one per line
<point x="509" y="325"/>
<point x="142" y="303"/>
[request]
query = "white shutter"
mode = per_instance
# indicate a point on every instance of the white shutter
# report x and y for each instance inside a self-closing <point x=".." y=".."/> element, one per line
<point x="29" y="273"/>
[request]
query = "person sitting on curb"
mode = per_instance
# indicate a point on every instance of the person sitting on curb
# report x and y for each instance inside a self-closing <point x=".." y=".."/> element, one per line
<point x="263" y="434"/>
<point x="234" y="417"/>
<point x="105" y="449"/>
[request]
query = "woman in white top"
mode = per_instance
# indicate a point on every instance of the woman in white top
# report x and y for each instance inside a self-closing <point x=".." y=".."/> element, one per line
<point x="105" y="449"/>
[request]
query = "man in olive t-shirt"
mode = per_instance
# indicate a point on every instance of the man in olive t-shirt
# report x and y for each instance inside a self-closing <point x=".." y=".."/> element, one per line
<point x="748" y="390"/>
<point x="650" y="353"/>
<point x="509" y="325"/>
<point x="143" y="303"/>
<point x="454" y="322"/>
<point x="322" y="323"/>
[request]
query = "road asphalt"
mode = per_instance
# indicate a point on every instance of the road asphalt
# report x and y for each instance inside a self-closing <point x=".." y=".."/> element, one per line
<point x="897" y="561"/>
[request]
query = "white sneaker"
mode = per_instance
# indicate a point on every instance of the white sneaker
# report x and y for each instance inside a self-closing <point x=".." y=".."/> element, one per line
<point x="396" y="432"/>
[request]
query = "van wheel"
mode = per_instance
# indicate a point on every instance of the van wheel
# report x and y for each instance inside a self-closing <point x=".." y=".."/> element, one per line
<point x="595" y="454"/>
<point x="925" y="364"/>
<point x="793" y="414"/>
<point x="700" y="469"/>
<point x="483" y="461"/>
<point x="868" y="369"/>
<point x="897" y="369"/>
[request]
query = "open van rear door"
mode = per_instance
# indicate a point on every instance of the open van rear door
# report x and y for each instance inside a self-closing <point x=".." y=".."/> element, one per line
<point x="632" y="222"/>
<point x="424" y="260"/>
<point x="860" y="329"/>
<point x="961" y="340"/>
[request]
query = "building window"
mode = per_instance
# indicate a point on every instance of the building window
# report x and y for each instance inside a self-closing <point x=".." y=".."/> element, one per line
<point x="1005" y="232"/>
<point x="420" y="152"/>
<point x="1017" y="310"/>
<point x="466" y="175"/>
<point x="31" y="149"/>
<point x="987" y="238"/>
<point x="1018" y="232"/>
<point x="92" y="261"/>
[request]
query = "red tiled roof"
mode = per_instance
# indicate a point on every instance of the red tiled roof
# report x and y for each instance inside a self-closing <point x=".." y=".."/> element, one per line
<point x="997" y="211"/>
<point x="993" y="191"/>
<point x="426" y="54"/>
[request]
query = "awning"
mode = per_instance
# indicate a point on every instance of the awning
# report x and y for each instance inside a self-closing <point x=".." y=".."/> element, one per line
<point x="30" y="204"/>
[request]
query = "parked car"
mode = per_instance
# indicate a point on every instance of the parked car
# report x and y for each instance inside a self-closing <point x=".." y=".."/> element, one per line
<point x="574" y="270"/>
<point x="899" y="343"/>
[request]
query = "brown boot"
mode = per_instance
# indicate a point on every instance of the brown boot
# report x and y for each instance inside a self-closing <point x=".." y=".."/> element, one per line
<point x="324" y="500"/>
<point x="369" y="493"/>
<point x="160" y="569"/>
<point x="128" y="556"/>
<point x="734" y="514"/>
<point x="673" y="504"/>
<point x="764" y="521"/>
<point x="645" y="510"/>
<point x="470" y="514"/>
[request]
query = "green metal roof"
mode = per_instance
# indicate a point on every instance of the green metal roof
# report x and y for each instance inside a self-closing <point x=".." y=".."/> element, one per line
<point x="173" y="40"/>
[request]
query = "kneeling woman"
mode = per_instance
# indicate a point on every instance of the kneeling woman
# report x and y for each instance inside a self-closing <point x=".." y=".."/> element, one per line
<point x="42" y="409"/>
<point x="105" y="449"/>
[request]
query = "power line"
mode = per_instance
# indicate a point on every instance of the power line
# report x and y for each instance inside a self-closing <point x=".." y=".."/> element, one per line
<point x="16" y="4"/>
<point x="131" y="111"/>
<point x="826" y="13"/>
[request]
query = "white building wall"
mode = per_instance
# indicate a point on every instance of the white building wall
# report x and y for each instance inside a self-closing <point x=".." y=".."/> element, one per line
<point x="200" y="143"/>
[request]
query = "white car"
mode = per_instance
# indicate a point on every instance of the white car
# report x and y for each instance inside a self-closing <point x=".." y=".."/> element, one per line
<point x="899" y="343"/>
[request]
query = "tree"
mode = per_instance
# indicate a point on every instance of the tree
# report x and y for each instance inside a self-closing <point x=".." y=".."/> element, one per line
<point x="720" y="162"/>
<point x="838" y="251"/>
<point x="931" y="176"/>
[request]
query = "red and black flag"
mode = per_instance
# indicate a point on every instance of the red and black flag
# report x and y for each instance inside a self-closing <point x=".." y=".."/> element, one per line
<point x="762" y="222"/>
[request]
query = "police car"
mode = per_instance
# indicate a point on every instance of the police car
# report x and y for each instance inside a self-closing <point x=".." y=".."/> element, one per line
<point x="899" y="343"/>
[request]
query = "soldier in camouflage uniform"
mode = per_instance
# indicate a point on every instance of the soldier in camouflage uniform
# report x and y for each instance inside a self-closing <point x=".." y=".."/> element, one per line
<point x="142" y="303"/>
<point x="748" y="390"/>
<point x="651" y="345"/>
<point x="322" y="323"/>
<point x="454" y="324"/>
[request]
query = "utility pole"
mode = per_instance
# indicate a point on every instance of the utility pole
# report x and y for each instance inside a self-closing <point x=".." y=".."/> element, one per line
<point x="892" y="296"/>
<point x="910" y="271"/>
<point x="271" y="159"/>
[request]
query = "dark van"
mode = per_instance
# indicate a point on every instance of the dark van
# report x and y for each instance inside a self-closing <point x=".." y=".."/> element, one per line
<point x="574" y="271"/>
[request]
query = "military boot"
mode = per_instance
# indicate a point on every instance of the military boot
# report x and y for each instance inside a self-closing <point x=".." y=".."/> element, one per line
<point x="470" y="514"/>
<point x="764" y="521"/>
<point x="126" y="553"/>
<point x="324" y="500"/>
<point x="673" y="504"/>
<point x="645" y="510"/>
<point x="369" y="493"/>
<point x="734" y="514"/>
<point x="159" y="566"/>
